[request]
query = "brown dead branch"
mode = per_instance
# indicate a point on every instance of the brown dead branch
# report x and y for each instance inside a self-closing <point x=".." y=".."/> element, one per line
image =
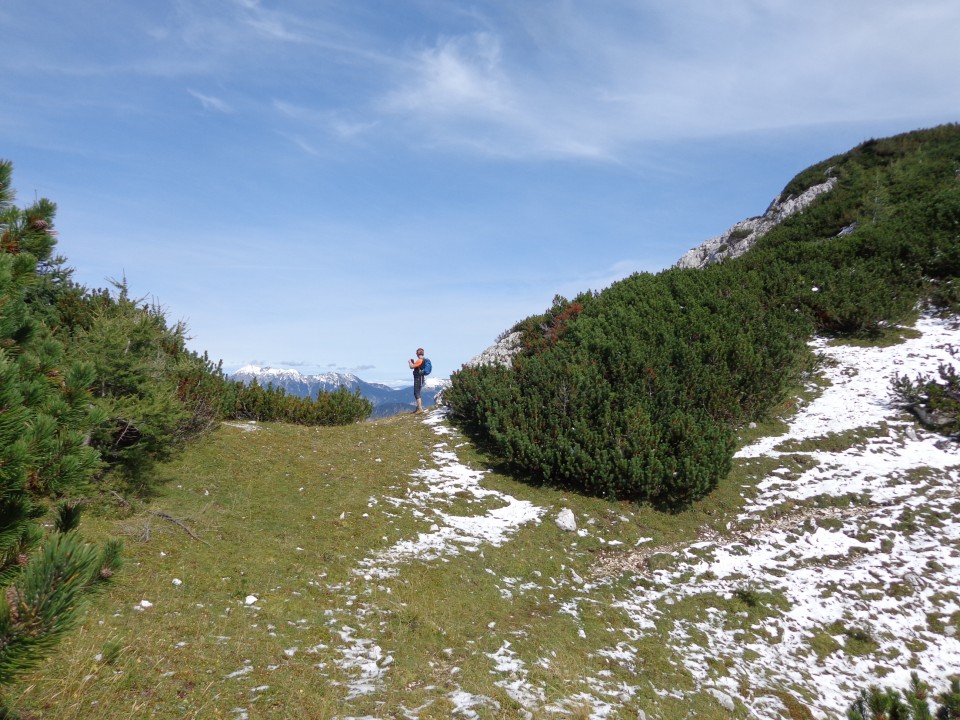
<point x="166" y="516"/>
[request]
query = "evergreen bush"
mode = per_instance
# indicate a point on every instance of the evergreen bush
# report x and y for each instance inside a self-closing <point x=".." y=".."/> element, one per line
<point x="639" y="395"/>
<point x="913" y="703"/>
<point x="638" y="391"/>
<point x="935" y="402"/>
<point x="46" y="415"/>
<point x="255" y="402"/>
<point x="133" y="354"/>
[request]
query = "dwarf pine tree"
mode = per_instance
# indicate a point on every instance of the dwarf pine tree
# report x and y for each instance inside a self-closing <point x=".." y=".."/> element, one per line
<point x="637" y="392"/>
<point x="133" y="353"/>
<point x="46" y="412"/>
<point x="936" y="403"/>
<point x="911" y="703"/>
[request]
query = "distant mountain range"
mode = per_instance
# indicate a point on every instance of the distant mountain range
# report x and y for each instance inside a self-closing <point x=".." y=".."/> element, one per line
<point x="386" y="400"/>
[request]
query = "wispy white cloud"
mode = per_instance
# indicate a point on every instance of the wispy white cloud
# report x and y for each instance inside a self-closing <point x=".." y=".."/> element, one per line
<point x="572" y="80"/>
<point x="273" y="27"/>
<point x="308" y="148"/>
<point x="209" y="102"/>
<point x="345" y="134"/>
<point x="330" y="123"/>
<point x="234" y="26"/>
<point x="595" y="80"/>
<point x="460" y="76"/>
<point x="347" y="130"/>
<point x="464" y="92"/>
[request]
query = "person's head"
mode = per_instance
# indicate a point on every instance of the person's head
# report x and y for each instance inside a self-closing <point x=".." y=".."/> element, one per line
<point x="419" y="352"/>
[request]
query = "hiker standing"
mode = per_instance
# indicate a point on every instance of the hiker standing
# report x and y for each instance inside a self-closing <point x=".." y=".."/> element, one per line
<point x="417" y="366"/>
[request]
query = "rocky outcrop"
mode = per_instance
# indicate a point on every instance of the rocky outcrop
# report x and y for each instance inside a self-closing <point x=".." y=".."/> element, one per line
<point x="733" y="243"/>
<point x="742" y="236"/>
<point x="500" y="353"/>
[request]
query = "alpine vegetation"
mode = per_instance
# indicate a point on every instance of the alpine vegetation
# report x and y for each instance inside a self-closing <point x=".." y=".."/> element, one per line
<point x="396" y="569"/>
<point x="46" y="413"/>
<point x="96" y="389"/>
<point x="385" y="400"/>
<point x="637" y="392"/>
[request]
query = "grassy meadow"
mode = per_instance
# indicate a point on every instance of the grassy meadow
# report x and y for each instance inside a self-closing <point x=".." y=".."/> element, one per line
<point x="286" y="514"/>
<point x="388" y="569"/>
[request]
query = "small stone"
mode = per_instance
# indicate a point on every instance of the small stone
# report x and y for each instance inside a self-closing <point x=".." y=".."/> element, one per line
<point x="725" y="700"/>
<point x="178" y="582"/>
<point x="566" y="520"/>
<point x="250" y="599"/>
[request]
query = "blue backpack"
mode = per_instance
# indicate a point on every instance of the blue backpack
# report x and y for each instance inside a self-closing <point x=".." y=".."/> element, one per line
<point x="427" y="366"/>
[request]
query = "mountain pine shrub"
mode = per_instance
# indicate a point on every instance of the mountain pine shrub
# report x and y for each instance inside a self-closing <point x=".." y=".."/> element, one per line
<point x="46" y="416"/>
<point x="638" y="391"/>
<point x="913" y="703"/>
<point x="935" y="402"/>
<point x="263" y="404"/>
<point x="639" y="396"/>
<point x="133" y="354"/>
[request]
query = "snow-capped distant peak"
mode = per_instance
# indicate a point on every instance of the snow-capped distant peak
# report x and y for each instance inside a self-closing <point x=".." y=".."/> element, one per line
<point x="268" y="371"/>
<point x="247" y="370"/>
<point x="331" y="377"/>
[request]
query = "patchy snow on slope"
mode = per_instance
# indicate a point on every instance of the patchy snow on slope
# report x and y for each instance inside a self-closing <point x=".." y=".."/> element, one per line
<point x="499" y="515"/>
<point x="883" y="571"/>
<point x="841" y="570"/>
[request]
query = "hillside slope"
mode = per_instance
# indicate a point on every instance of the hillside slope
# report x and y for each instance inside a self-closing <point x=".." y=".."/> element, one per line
<point x="393" y="574"/>
<point x="637" y="392"/>
<point x="741" y="237"/>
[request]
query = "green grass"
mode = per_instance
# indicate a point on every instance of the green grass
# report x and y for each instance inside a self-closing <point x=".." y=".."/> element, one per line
<point x="286" y="514"/>
<point x="893" y="335"/>
<point x="834" y="442"/>
<point x="289" y="515"/>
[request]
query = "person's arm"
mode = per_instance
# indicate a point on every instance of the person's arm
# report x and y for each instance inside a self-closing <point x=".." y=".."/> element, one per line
<point x="416" y="364"/>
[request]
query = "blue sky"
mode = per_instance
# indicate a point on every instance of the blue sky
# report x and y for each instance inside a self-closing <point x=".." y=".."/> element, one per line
<point x="327" y="185"/>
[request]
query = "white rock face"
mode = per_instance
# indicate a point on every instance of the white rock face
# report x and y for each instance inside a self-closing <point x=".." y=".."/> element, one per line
<point x="500" y="353"/>
<point x="733" y="243"/>
<point x="566" y="520"/>
<point x="742" y="236"/>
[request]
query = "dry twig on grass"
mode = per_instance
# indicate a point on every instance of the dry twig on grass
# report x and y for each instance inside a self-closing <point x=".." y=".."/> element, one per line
<point x="166" y="516"/>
